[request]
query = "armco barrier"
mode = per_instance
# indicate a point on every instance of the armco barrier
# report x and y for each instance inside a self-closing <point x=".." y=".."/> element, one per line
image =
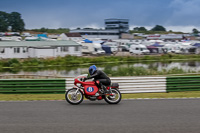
<point x="126" y="84"/>
<point x="183" y="83"/>
<point x="32" y="85"/>
<point x="134" y="84"/>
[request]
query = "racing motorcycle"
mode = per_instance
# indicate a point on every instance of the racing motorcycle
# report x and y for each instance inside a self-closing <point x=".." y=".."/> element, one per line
<point x="92" y="91"/>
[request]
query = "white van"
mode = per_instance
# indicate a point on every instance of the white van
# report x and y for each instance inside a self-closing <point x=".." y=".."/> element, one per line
<point x="138" y="49"/>
<point x="98" y="49"/>
<point x="92" y="48"/>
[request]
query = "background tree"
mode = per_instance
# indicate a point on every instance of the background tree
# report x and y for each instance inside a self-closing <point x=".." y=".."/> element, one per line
<point x="195" y="31"/>
<point x="16" y="22"/>
<point x="142" y="29"/>
<point x="43" y="29"/>
<point x="136" y="29"/>
<point x="139" y="29"/>
<point x="158" y="28"/>
<point x="4" y="21"/>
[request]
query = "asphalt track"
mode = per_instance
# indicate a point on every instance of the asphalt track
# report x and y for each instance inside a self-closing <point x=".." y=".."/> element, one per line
<point x="129" y="116"/>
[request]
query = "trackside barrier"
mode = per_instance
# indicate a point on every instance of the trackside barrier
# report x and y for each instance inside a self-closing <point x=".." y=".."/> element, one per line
<point x="126" y="84"/>
<point x="32" y="85"/>
<point x="183" y="83"/>
<point x="134" y="84"/>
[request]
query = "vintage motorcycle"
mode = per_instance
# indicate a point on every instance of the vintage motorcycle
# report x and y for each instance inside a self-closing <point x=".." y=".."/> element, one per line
<point x="92" y="91"/>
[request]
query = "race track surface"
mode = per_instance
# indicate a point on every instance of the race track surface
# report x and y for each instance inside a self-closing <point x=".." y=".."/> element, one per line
<point x="129" y="116"/>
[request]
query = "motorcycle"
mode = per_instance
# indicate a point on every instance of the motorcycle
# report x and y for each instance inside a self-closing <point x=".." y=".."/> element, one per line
<point x="92" y="91"/>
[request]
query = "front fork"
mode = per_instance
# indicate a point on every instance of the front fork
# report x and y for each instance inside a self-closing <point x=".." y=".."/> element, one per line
<point x="77" y="89"/>
<point x="74" y="95"/>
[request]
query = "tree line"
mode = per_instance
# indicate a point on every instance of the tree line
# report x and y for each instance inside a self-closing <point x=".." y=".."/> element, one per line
<point x="157" y="28"/>
<point x="59" y="30"/>
<point x="11" y="21"/>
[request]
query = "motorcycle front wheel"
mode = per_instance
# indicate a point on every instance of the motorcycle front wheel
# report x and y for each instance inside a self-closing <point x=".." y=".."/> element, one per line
<point x="72" y="97"/>
<point x="114" y="98"/>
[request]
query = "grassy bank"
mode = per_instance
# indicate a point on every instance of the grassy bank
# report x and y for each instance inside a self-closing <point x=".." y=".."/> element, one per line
<point x="141" y="71"/>
<point x="72" y="62"/>
<point x="30" y="97"/>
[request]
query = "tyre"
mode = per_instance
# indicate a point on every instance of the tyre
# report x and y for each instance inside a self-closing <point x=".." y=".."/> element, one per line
<point x="115" y="98"/>
<point x="73" y="98"/>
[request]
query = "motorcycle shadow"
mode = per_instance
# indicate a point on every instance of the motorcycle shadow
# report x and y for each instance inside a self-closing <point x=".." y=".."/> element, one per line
<point x="99" y="103"/>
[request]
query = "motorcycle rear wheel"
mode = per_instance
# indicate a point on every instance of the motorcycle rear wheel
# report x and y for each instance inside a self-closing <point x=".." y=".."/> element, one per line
<point x="116" y="98"/>
<point x="73" y="98"/>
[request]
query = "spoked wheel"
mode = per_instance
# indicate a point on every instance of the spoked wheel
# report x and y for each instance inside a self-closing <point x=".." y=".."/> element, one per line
<point x="72" y="97"/>
<point x="114" y="98"/>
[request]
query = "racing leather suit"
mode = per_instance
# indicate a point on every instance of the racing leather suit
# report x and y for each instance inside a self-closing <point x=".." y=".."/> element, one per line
<point x="101" y="77"/>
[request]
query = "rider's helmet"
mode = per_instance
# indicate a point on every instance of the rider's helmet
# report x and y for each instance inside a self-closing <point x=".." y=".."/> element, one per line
<point x="92" y="69"/>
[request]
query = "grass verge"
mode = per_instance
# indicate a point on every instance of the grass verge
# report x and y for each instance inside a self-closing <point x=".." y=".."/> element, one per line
<point x="31" y="97"/>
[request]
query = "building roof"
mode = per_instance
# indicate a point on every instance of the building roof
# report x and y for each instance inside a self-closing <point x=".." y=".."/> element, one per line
<point x="73" y="34"/>
<point x="37" y="43"/>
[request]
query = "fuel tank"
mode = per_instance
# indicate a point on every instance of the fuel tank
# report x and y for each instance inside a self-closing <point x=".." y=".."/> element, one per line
<point x="90" y="88"/>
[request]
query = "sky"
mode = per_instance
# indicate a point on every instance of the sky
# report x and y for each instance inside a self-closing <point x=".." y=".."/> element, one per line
<point x="175" y="15"/>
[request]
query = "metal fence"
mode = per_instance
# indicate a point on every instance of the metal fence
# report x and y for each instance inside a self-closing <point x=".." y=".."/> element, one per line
<point x="126" y="84"/>
<point x="32" y="85"/>
<point x="183" y="83"/>
<point x="134" y="84"/>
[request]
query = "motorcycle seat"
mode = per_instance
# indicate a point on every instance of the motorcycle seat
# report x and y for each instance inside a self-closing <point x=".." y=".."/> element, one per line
<point x="114" y="85"/>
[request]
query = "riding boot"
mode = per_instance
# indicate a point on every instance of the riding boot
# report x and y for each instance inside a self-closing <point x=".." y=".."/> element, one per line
<point x="104" y="88"/>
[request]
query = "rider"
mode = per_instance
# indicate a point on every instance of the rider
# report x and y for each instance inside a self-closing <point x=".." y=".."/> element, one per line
<point x="100" y="76"/>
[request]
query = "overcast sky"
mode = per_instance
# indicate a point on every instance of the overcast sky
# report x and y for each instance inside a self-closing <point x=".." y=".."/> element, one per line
<point x="176" y="15"/>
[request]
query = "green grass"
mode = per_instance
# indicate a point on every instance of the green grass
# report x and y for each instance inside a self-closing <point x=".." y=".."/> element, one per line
<point x="68" y="63"/>
<point x="30" y="97"/>
<point x="73" y="60"/>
